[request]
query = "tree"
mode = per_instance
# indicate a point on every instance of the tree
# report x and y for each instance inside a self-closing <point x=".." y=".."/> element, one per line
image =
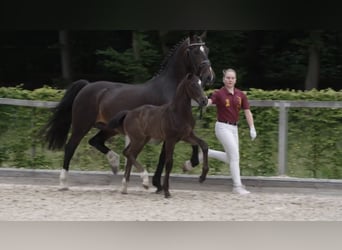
<point x="135" y="64"/>
<point x="65" y="55"/>
<point x="313" y="69"/>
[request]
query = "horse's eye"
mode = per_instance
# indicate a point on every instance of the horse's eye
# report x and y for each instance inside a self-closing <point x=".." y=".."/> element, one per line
<point x="199" y="82"/>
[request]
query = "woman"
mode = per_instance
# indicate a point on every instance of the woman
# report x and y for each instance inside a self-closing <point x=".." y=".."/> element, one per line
<point x="229" y="101"/>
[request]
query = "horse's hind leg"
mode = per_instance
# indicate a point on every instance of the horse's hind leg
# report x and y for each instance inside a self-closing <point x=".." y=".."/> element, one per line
<point x="69" y="151"/>
<point x="98" y="142"/>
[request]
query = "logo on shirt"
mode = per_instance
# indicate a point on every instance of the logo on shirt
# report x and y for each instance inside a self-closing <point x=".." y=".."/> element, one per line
<point x="239" y="102"/>
<point x="227" y="103"/>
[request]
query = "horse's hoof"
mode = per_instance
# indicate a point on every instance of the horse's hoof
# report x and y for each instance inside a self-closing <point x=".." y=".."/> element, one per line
<point x="115" y="170"/>
<point x="159" y="190"/>
<point x="167" y="196"/>
<point x="114" y="161"/>
<point x="145" y="186"/>
<point x="187" y="166"/>
<point x="63" y="188"/>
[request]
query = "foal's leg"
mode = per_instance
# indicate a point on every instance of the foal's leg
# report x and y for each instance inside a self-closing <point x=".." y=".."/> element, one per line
<point x="157" y="174"/>
<point x="194" y="160"/>
<point x="204" y="146"/>
<point x="194" y="156"/>
<point x="169" y="149"/>
<point x="131" y="153"/>
<point x="98" y="142"/>
<point x="143" y="172"/>
<point x="125" y="179"/>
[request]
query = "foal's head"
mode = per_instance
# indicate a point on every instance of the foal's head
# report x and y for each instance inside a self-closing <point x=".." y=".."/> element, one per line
<point x="193" y="88"/>
<point x="197" y="53"/>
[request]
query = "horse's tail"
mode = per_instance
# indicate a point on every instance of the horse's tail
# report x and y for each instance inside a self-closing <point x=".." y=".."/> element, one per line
<point x="117" y="120"/>
<point x="57" y="129"/>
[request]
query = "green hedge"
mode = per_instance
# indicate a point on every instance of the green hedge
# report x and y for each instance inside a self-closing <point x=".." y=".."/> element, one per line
<point x="314" y="137"/>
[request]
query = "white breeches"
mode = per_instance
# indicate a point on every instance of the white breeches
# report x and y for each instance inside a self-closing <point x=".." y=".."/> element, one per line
<point x="228" y="136"/>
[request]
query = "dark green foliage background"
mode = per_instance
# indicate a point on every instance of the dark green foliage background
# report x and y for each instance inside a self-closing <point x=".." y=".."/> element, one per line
<point x="314" y="137"/>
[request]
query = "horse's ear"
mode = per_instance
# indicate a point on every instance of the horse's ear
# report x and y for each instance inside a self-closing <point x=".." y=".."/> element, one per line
<point x="203" y="36"/>
<point x="192" y="36"/>
<point x="189" y="76"/>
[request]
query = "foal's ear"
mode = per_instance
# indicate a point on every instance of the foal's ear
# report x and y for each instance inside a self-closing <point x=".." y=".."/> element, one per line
<point x="189" y="76"/>
<point x="203" y="36"/>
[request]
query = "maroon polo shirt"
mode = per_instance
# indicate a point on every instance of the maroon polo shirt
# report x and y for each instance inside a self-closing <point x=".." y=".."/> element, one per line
<point x="229" y="105"/>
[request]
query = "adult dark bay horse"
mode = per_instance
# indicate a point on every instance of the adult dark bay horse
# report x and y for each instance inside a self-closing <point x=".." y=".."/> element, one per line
<point x="86" y="105"/>
<point x="171" y="123"/>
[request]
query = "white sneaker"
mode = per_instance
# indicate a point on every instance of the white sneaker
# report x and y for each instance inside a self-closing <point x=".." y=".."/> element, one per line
<point x="187" y="166"/>
<point x="240" y="190"/>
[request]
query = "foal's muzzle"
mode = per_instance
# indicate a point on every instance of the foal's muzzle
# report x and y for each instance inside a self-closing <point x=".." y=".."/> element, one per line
<point x="203" y="101"/>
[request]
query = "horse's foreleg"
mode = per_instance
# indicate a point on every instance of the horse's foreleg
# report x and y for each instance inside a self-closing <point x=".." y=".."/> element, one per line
<point x="114" y="161"/>
<point x="63" y="180"/>
<point x="159" y="170"/>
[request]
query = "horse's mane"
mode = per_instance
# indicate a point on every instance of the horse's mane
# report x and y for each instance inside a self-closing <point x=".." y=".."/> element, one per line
<point x="171" y="52"/>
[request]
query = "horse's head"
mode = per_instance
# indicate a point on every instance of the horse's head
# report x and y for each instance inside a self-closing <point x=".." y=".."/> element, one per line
<point x="193" y="86"/>
<point x="199" y="63"/>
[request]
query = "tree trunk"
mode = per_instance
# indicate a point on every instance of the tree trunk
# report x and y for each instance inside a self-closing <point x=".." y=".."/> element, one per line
<point x="136" y="50"/>
<point x="65" y="55"/>
<point x="312" y="76"/>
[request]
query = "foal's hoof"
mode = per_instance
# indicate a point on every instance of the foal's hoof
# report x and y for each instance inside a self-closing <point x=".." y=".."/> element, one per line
<point x="167" y="195"/>
<point x="159" y="190"/>
<point x="145" y="186"/>
<point x="201" y="179"/>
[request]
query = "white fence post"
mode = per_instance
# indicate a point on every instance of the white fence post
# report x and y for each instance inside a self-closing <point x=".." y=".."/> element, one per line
<point x="282" y="138"/>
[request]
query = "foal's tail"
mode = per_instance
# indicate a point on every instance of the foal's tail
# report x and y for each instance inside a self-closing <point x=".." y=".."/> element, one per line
<point x="117" y="120"/>
<point x="57" y="128"/>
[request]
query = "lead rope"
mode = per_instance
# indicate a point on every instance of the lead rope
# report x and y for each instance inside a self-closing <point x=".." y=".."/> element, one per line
<point x="200" y="113"/>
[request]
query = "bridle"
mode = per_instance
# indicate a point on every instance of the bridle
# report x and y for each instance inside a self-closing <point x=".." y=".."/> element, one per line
<point x="204" y="63"/>
<point x="198" y="69"/>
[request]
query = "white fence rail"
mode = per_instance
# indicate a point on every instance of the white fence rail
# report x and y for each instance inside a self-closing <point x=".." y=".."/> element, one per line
<point x="282" y="122"/>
